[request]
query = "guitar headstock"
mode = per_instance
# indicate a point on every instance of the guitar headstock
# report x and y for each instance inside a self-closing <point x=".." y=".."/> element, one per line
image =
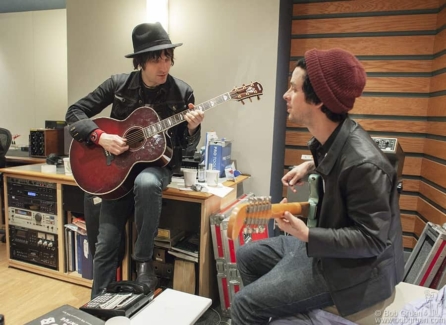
<point x="254" y="214"/>
<point x="247" y="91"/>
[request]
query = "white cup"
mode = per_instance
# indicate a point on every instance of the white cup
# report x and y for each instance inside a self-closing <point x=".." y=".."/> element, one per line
<point x="212" y="177"/>
<point x="67" y="166"/>
<point x="118" y="320"/>
<point x="190" y="177"/>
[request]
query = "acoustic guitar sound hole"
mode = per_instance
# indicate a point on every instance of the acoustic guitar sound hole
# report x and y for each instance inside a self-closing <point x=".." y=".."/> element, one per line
<point x="135" y="138"/>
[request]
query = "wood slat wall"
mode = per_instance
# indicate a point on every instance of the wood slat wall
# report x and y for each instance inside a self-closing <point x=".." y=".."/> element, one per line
<point x="402" y="45"/>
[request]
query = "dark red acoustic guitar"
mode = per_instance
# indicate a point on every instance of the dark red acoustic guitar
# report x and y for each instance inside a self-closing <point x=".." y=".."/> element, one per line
<point x="98" y="172"/>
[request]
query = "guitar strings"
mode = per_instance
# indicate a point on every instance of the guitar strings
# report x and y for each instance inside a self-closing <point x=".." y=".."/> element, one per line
<point x="138" y="135"/>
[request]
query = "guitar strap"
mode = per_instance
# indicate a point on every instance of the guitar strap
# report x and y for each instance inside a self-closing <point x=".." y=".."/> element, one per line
<point x="315" y="198"/>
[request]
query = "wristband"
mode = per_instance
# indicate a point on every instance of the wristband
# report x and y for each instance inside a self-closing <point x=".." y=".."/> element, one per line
<point x="96" y="135"/>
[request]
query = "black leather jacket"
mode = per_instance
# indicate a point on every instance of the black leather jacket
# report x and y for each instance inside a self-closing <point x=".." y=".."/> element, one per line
<point x="358" y="241"/>
<point x="125" y="93"/>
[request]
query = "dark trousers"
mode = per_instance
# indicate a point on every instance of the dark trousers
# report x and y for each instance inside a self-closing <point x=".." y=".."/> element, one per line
<point x="144" y="203"/>
<point x="279" y="280"/>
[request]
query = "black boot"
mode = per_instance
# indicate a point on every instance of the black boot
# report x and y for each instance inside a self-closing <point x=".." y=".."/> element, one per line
<point x="146" y="274"/>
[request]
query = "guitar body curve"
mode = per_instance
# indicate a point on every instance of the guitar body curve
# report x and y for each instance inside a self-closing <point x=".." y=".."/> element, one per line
<point x="100" y="173"/>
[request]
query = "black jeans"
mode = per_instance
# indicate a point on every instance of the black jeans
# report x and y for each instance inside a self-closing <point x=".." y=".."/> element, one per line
<point x="279" y="280"/>
<point x="145" y="204"/>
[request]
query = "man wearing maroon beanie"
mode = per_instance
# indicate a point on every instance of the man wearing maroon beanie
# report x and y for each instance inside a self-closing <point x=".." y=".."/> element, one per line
<point x="353" y="257"/>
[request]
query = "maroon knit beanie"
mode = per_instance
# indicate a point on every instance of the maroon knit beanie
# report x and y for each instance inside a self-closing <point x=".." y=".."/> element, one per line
<point x="337" y="77"/>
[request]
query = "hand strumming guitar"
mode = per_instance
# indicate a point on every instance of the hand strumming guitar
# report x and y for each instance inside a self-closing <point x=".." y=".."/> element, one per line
<point x="113" y="143"/>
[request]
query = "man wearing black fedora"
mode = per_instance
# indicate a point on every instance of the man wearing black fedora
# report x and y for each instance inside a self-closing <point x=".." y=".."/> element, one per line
<point x="149" y="85"/>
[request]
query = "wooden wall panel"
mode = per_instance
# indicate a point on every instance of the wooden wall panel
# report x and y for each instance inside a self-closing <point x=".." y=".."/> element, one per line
<point x="411" y="185"/>
<point x="395" y="106"/>
<point x="411" y="145"/>
<point x="418" y="66"/>
<point x="440" y="42"/>
<point x="397" y="85"/>
<point x="437" y="105"/>
<point x="418" y="226"/>
<point x="434" y="172"/>
<point x="296" y="138"/>
<point x="438" y="63"/>
<point x="412" y="166"/>
<point x="293" y="156"/>
<point x="392" y="125"/>
<point x="390" y="45"/>
<point x="361" y="6"/>
<point x="364" y="24"/>
<point x="433" y="194"/>
<point x="409" y="242"/>
<point x="408" y="202"/>
<point x="441" y="18"/>
<point x="408" y="222"/>
<point x="431" y="213"/>
<point x="436" y="128"/>
<point x="438" y="83"/>
<point x="435" y="148"/>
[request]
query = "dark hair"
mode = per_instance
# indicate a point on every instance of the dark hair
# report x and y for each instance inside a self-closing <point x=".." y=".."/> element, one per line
<point x="311" y="96"/>
<point x="141" y="59"/>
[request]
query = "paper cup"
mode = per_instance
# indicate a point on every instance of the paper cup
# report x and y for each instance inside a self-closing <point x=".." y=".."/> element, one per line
<point x="212" y="177"/>
<point x="190" y="176"/>
<point x="67" y="166"/>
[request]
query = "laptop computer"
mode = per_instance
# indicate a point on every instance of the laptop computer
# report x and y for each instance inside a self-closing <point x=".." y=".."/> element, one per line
<point x="172" y="307"/>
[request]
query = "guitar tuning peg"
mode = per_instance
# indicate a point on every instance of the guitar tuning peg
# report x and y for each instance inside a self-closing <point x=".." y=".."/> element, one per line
<point x="258" y="97"/>
<point x="242" y="101"/>
<point x="250" y="99"/>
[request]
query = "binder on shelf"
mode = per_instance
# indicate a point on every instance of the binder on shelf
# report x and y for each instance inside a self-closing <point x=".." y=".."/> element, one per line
<point x="70" y="264"/>
<point x="79" y="252"/>
<point x="87" y="258"/>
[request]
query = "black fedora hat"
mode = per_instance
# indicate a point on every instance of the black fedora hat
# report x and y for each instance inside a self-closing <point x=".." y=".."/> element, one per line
<point x="150" y="37"/>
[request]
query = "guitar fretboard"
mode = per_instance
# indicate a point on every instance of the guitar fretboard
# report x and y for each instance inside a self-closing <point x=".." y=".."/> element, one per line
<point x="176" y="119"/>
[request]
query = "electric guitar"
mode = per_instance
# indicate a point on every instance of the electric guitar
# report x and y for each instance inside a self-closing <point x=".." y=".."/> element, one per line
<point x="98" y="172"/>
<point x="256" y="213"/>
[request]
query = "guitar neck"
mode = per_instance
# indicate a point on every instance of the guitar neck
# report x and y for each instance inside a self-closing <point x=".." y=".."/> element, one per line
<point x="259" y="211"/>
<point x="178" y="118"/>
